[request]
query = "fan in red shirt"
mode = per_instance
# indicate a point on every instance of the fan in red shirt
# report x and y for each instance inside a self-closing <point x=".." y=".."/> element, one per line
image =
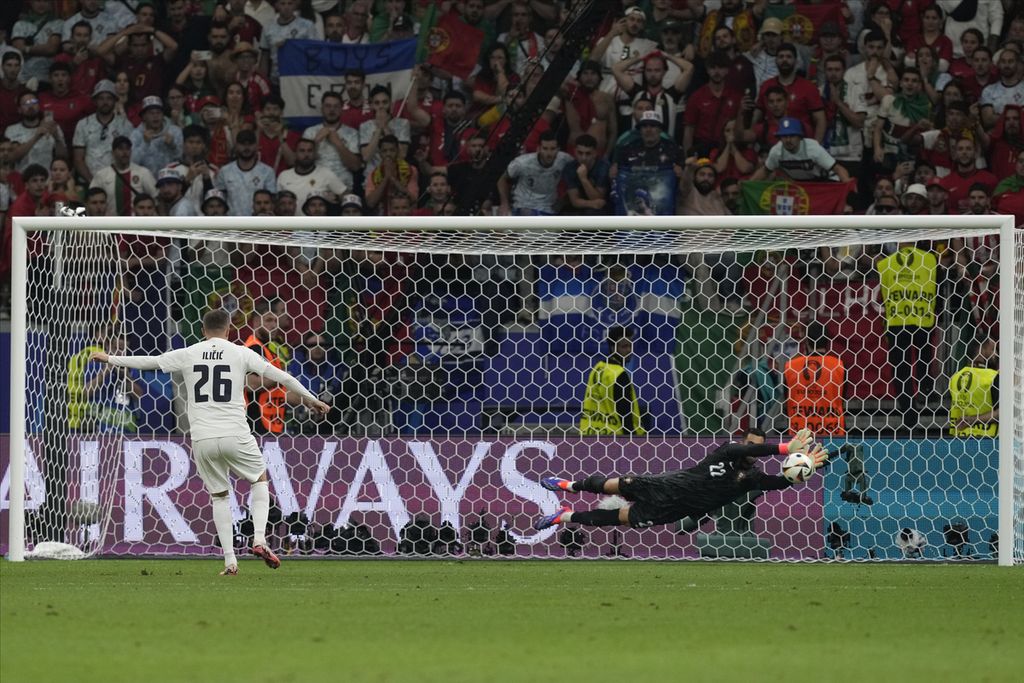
<point x="11" y="89"/>
<point x="66" y="107"/>
<point x="710" y="107"/>
<point x="764" y="133"/>
<point x="1006" y="142"/>
<point x="34" y="201"/>
<point x="242" y="27"/>
<point x="930" y="34"/>
<point x="805" y="102"/>
<point x="86" y="68"/>
<point x="965" y="174"/>
<point x="257" y="87"/>
<point x="355" y="111"/>
<point x="276" y="143"/>
<point x="448" y="132"/>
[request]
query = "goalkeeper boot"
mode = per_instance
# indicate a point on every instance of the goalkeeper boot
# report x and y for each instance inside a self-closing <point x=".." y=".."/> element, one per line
<point x="547" y="521"/>
<point x="556" y="484"/>
<point x="267" y="555"/>
<point x="230" y="571"/>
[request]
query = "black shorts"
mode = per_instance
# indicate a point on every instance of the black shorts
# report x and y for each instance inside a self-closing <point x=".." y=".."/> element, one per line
<point x="656" y="500"/>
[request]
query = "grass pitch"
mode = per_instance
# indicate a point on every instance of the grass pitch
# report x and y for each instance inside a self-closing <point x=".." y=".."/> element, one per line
<point x="169" y="621"/>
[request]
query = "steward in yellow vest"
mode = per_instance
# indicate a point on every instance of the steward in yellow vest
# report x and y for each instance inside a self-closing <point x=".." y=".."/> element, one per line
<point x="610" y="406"/>
<point x="909" y="287"/>
<point x="974" y="395"/>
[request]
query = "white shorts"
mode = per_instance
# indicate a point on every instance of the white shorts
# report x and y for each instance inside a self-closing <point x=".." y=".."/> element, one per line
<point x="215" y="457"/>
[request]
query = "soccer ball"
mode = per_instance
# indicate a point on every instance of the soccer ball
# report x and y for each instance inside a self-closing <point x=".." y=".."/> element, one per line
<point x="797" y="468"/>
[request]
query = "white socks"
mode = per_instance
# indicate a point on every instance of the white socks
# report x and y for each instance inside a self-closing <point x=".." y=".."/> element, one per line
<point x="225" y="529"/>
<point x="260" y="512"/>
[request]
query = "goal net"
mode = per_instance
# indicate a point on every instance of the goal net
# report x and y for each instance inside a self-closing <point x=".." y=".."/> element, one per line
<point x="459" y="360"/>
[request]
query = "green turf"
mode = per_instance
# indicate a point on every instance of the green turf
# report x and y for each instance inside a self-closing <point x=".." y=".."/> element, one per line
<point x="160" y="621"/>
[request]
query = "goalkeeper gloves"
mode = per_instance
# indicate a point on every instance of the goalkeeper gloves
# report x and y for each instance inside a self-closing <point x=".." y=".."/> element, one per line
<point x="819" y="455"/>
<point x="801" y="442"/>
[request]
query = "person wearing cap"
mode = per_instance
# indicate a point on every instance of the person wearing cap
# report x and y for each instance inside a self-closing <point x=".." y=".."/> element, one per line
<point x="351" y="205"/>
<point x="156" y="141"/>
<point x="215" y="203"/>
<point x="915" y="200"/>
<point x="257" y="87"/>
<point x="804" y="99"/>
<point x="37" y="139"/>
<point x="401" y="28"/>
<point x="286" y="204"/>
<point x="798" y="158"/>
<point x="762" y="54"/>
<point x="652" y="83"/>
<point x="36" y="35"/>
<point x="698" y="194"/>
<point x="733" y="14"/>
<point x="61" y="103"/>
<point x="122" y="180"/>
<point x="316" y="204"/>
<point x="624" y="41"/>
<point x="91" y="144"/>
<point x="710" y="106"/>
<point x="938" y="198"/>
<point x="287" y="25"/>
<point x="648" y="145"/>
<point x="308" y="176"/>
<point x="171" y="200"/>
<point x="245" y="175"/>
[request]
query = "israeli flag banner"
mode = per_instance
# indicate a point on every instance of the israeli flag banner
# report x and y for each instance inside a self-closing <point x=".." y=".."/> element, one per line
<point x="309" y="68"/>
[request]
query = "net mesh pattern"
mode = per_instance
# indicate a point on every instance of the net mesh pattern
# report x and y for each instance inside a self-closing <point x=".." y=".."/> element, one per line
<point x="459" y="367"/>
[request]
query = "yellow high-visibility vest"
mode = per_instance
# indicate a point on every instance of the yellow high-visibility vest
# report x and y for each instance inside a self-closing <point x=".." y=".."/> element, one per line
<point x="971" y="392"/>
<point x="909" y="287"/>
<point x="600" y="418"/>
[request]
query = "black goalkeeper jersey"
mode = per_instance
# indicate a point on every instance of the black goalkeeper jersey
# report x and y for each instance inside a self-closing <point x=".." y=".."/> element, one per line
<point x="719" y="478"/>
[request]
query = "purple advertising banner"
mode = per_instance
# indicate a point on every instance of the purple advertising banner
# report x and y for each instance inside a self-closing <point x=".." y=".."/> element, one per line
<point x="160" y="506"/>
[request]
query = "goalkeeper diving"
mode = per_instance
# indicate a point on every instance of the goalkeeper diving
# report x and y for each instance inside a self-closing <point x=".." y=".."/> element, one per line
<point x="215" y="373"/>
<point x="721" y="477"/>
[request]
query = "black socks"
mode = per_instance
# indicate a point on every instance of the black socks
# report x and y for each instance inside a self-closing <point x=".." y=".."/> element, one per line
<point x="596" y="518"/>
<point x="592" y="484"/>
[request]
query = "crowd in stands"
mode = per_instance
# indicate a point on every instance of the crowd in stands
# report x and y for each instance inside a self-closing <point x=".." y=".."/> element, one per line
<point x="173" y="108"/>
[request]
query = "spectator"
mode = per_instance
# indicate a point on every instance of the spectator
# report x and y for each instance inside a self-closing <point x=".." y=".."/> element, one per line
<point x="886" y="205"/>
<point x="171" y="200"/>
<point x="984" y="17"/>
<point x="37" y="36"/>
<point x="869" y="81"/>
<point x="214" y="204"/>
<point x="698" y="195"/>
<point x="524" y="44"/>
<point x="122" y="180"/>
<point x="438" y="195"/>
<point x="830" y="45"/>
<point x="735" y="159"/>
<point x="351" y="205"/>
<point x="741" y="70"/>
<point x="586" y="178"/>
<point x="932" y="79"/>
<point x="276" y="143"/>
<point x="448" y="132"/>
<point x="710" y="107"/>
<point x="587" y="110"/>
<point x="622" y="42"/>
<point x="383" y="123"/>
<point x="1006" y="142"/>
<point x="11" y="88"/>
<point x="938" y="198"/>
<point x="144" y="67"/>
<point x="1007" y="91"/>
<point x="316" y="204"/>
<point x="91" y="148"/>
<point x="156" y="142"/>
<point x="962" y="67"/>
<point x="463" y="175"/>
<point x="189" y="31"/>
<point x="221" y="63"/>
<point x="764" y="133"/>
<point x="610" y="405"/>
<point x="307" y="176"/>
<point x="909" y="286"/>
<point x="915" y="200"/>
<point x="964" y="175"/>
<point x="805" y="103"/>
<point x="262" y="203"/>
<point x="33" y="201"/>
<point x="355" y="110"/>
<point x="127" y="106"/>
<point x="799" y="158"/>
<point x="762" y="53"/>
<point x="62" y="181"/>
<point x="651" y="85"/>
<point x="815" y="387"/>
<point x="196" y="81"/>
<point x="243" y="176"/>
<point x="37" y="139"/>
<point x="256" y="86"/>
<point x="144" y="205"/>
<point x="900" y="118"/>
<point x="288" y="25"/>
<point x="86" y="68"/>
<point x="845" y="118"/>
<point x="983" y="73"/>
<point x="732" y="14"/>
<point x="729" y="188"/>
<point x="649" y="147"/>
<point x="62" y="104"/>
<point x="241" y="27"/>
<point x="940" y="144"/>
<point x="979" y="200"/>
<point x="285" y="202"/>
<point x="197" y="172"/>
<point x="337" y="145"/>
<point x="102" y="20"/>
<point x="96" y="202"/>
<point x="974" y="395"/>
<point x="536" y="177"/>
<point x="357" y="24"/>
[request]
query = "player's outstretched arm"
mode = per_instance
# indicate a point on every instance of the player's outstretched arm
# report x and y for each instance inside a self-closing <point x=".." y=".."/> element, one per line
<point x="134" y="362"/>
<point x="295" y="389"/>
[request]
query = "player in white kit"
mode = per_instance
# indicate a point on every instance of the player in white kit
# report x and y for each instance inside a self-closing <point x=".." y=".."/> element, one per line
<point x="216" y="372"/>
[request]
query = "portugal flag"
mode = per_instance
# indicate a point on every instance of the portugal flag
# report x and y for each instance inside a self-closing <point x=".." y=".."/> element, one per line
<point x="449" y="43"/>
<point x="800" y="21"/>
<point x="787" y="198"/>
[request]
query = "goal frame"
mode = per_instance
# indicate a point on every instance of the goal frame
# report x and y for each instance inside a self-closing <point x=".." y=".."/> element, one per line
<point x="952" y="226"/>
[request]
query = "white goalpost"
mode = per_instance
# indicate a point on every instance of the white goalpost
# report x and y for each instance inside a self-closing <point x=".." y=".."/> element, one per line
<point x="455" y="352"/>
